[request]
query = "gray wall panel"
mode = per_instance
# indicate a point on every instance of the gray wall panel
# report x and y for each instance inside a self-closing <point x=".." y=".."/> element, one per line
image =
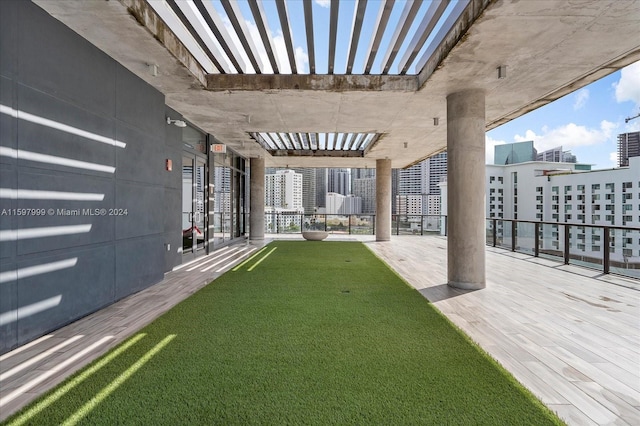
<point x="173" y="227"/>
<point x="143" y="159"/>
<point x="8" y="180"/>
<point x="8" y="124"/>
<point x="140" y="264"/>
<point x="85" y="215"/>
<point x="173" y="193"/>
<point x="173" y="150"/>
<point x="83" y="284"/>
<point x="51" y="72"/>
<point x="140" y="105"/>
<point x="54" y="59"/>
<point x="43" y="139"/>
<point x="145" y="210"/>
<point x="8" y="38"/>
<point x="8" y="308"/>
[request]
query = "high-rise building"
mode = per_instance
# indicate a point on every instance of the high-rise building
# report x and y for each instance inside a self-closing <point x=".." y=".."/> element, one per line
<point x="571" y="193"/>
<point x="413" y="186"/>
<point x="409" y="205"/>
<point x="395" y="186"/>
<point x="505" y="197"/>
<point x="556" y="155"/>
<point x="344" y="205"/>
<point x="365" y="188"/>
<point x="321" y="188"/>
<point x="437" y="172"/>
<point x="283" y="189"/>
<point x="414" y="180"/>
<point x="361" y="174"/>
<point x="628" y="146"/>
<point x="309" y="184"/>
<point x="339" y="181"/>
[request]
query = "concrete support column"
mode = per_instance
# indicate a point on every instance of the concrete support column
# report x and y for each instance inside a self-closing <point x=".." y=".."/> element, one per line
<point x="466" y="189"/>
<point x="383" y="200"/>
<point x="256" y="199"/>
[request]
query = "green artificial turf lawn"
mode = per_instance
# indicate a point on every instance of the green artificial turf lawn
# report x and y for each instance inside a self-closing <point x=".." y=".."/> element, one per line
<point x="316" y="333"/>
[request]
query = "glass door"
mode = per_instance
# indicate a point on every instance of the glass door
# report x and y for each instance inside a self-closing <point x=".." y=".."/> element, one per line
<point x="194" y="230"/>
<point x="229" y="192"/>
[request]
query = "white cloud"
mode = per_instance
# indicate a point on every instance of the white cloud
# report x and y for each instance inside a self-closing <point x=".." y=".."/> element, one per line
<point x="282" y="58"/>
<point x="237" y="46"/>
<point x="632" y="126"/>
<point x="489" y="148"/>
<point x="580" y="99"/>
<point x="281" y="53"/>
<point x="569" y="136"/>
<point x="628" y="88"/>
<point x="613" y="157"/>
<point x="302" y="59"/>
<point x="323" y="3"/>
<point x="262" y="53"/>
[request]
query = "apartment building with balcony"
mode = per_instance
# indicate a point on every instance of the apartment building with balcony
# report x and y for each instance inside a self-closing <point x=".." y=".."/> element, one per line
<point x="570" y="193"/>
<point x="628" y="146"/>
<point x="283" y="189"/>
<point x="343" y="205"/>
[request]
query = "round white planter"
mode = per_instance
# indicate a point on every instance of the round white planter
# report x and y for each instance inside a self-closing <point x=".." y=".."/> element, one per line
<point x="315" y="235"/>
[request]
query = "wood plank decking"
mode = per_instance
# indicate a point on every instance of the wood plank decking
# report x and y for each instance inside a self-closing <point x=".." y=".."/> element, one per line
<point x="571" y="335"/>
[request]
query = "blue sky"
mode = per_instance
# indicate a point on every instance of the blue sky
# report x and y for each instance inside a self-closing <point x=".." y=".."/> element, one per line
<point x="586" y="122"/>
<point x="321" y="12"/>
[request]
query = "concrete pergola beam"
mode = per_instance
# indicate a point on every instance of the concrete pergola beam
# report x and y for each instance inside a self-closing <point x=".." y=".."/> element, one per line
<point x="337" y="83"/>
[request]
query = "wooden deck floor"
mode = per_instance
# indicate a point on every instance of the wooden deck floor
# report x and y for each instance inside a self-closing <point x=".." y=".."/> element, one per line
<point x="571" y="335"/>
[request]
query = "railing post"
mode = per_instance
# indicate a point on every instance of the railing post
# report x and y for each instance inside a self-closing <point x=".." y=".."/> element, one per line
<point x="373" y="229"/>
<point x="514" y="226"/>
<point x="605" y="255"/>
<point x="350" y="224"/>
<point x="536" y="231"/>
<point x="325" y="222"/>
<point x="495" y="231"/>
<point x="566" y="244"/>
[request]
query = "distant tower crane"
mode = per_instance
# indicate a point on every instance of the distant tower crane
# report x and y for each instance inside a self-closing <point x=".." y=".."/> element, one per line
<point x="628" y="119"/>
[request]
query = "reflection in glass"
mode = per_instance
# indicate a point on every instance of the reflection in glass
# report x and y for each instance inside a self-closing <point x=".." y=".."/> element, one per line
<point x="187" y="204"/>
<point x="193" y="204"/>
<point x="229" y="193"/>
<point x="199" y="212"/>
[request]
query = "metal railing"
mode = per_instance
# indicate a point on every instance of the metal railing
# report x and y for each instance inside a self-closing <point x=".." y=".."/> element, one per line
<point x="292" y="223"/>
<point x="287" y="223"/>
<point x="607" y="248"/>
<point x="611" y="249"/>
<point x="418" y="225"/>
